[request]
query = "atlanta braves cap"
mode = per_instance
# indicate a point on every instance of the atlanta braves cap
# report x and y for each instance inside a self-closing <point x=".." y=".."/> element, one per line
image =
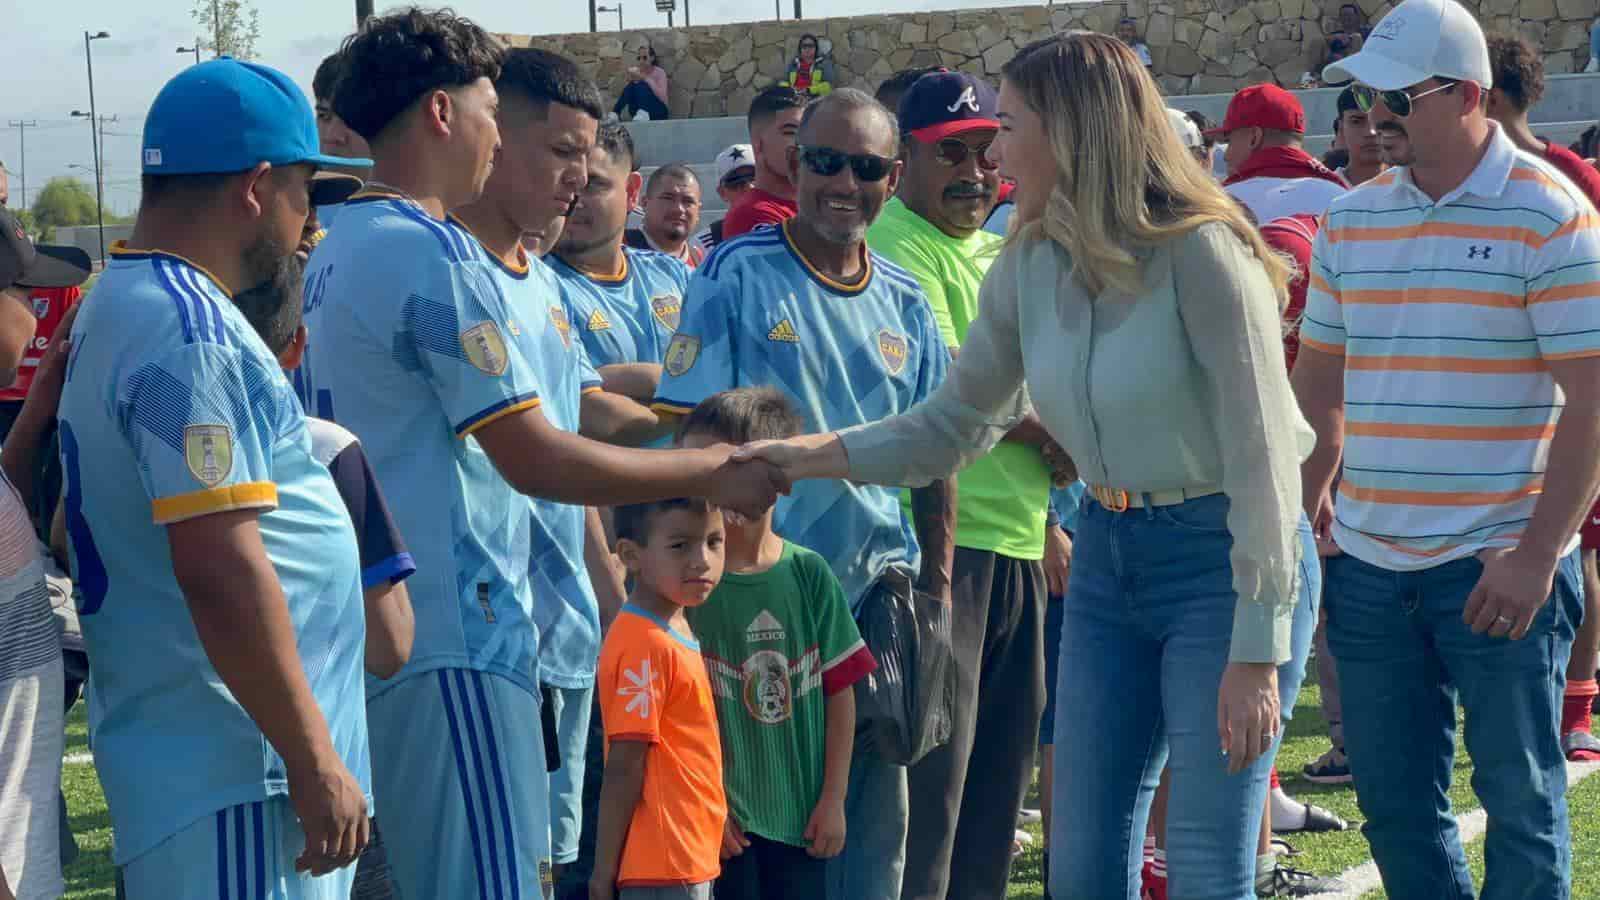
<point x="940" y="104"/>
<point x="225" y="116"/>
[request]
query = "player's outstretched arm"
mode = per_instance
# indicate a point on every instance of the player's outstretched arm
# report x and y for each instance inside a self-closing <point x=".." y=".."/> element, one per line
<point x="242" y="620"/>
<point x="543" y="461"/>
<point x="620" y="790"/>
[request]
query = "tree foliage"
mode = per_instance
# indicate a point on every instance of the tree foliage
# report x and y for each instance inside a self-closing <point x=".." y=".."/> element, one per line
<point x="64" y="201"/>
<point x="228" y="27"/>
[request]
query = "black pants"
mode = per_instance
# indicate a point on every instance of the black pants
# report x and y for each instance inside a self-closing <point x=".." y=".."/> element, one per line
<point x="965" y="796"/>
<point x="772" y="870"/>
<point x="638" y="96"/>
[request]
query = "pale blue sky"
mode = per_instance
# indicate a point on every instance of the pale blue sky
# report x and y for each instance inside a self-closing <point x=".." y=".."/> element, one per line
<point x="45" y="77"/>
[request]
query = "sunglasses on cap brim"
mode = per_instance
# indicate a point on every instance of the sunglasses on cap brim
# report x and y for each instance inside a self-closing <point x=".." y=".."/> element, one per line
<point x="827" y="162"/>
<point x="1398" y="102"/>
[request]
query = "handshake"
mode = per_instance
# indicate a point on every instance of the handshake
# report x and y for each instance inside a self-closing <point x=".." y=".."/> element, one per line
<point x="753" y="475"/>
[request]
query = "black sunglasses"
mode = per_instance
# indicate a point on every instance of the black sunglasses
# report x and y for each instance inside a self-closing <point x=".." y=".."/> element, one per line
<point x="828" y="162"/>
<point x="954" y="152"/>
<point x="1399" y="102"/>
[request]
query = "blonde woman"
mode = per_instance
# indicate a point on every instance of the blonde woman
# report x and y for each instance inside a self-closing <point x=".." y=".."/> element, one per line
<point x="1140" y="310"/>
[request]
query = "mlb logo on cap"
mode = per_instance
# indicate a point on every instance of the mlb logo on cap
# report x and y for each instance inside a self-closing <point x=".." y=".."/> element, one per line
<point x="230" y="116"/>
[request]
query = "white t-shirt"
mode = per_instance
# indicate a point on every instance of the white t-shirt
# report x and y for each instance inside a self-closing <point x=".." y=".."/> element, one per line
<point x="1274" y="198"/>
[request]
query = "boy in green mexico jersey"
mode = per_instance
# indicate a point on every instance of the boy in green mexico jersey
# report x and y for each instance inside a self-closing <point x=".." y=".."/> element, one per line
<point x="783" y="652"/>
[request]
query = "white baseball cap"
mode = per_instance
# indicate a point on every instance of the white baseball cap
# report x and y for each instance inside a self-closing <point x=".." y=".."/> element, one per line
<point x="734" y="158"/>
<point x="1418" y="40"/>
<point x="1188" y="132"/>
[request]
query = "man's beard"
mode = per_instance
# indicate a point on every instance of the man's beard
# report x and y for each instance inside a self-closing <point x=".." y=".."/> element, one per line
<point x="275" y="275"/>
<point x="572" y="246"/>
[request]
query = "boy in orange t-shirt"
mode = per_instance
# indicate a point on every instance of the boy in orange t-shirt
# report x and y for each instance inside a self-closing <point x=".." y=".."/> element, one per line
<point x="662" y="806"/>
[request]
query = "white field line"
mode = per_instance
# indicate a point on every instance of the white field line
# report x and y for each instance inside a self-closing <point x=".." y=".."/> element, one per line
<point x="1364" y="878"/>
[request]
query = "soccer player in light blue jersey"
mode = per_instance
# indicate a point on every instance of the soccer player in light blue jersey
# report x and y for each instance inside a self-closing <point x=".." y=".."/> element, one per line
<point x="218" y="570"/>
<point x="624" y="302"/>
<point x="543" y="95"/>
<point x="439" y="349"/>
<point x="806" y="307"/>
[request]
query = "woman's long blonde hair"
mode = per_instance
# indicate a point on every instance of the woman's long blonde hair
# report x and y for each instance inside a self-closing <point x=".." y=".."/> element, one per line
<point x="1123" y="179"/>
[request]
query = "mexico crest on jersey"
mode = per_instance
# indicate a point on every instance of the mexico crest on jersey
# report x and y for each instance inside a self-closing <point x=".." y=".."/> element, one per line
<point x="682" y="351"/>
<point x="485" y="348"/>
<point x="894" y="348"/>
<point x="767" y="696"/>
<point x="208" y="451"/>
<point x="558" y="318"/>
<point x="666" y="308"/>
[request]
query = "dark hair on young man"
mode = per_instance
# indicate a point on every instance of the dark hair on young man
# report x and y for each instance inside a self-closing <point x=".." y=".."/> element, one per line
<point x="743" y="415"/>
<point x="397" y="58"/>
<point x="274" y="315"/>
<point x="1201" y="122"/>
<point x="671" y="170"/>
<point x="895" y="86"/>
<point x="632" y="522"/>
<point x="772" y="101"/>
<point x="617" y="142"/>
<point x="1518" y="70"/>
<point x="327" y="78"/>
<point x="848" y="100"/>
<point x="542" y="77"/>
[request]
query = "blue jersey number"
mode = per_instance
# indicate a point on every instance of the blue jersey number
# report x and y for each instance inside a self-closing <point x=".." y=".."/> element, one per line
<point x="90" y="571"/>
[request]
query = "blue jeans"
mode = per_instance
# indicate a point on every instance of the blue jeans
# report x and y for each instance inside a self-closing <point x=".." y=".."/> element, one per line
<point x="1148" y="618"/>
<point x="1405" y="658"/>
<point x="875" y="809"/>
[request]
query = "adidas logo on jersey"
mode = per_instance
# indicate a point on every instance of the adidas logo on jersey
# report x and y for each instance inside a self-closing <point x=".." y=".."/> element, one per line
<point x="598" y="321"/>
<point x="783" y="333"/>
<point x="765" y="627"/>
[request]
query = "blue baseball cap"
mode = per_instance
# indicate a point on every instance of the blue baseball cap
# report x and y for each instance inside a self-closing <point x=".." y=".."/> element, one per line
<point x="230" y="116"/>
<point x="944" y="103"/>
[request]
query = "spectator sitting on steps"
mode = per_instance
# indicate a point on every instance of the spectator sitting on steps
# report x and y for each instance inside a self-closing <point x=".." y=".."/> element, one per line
<point x="811" y="70"/>
<point x="645" y="97"/>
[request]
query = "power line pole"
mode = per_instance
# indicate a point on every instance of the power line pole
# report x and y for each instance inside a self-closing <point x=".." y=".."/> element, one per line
<point x="594" y="18"/>
<point x="363" y="12"/>
<point x="22" y="139"/>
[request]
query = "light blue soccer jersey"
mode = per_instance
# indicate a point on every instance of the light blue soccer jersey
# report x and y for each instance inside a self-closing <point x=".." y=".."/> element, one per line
<point x="630" y="318"/>
<point x="757" y="313"/>
<point x="174" y="409"/>
<point x="564" y="606"/>
<point x="414" y="345"/>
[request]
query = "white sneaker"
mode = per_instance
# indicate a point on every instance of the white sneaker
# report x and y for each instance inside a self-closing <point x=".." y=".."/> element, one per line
<point x="1029" y="815"/>
<point x="641" y="116"/>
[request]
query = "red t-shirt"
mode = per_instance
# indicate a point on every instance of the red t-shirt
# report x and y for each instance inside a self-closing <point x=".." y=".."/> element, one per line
<point x="1293" y="235"/>
<point x="754" y="209"/>
<point x="1577" y="171"/>
<point x="49" y="305"/>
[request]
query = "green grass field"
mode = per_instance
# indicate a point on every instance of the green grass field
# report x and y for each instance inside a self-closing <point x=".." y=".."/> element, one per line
<point x="90" y="877"/>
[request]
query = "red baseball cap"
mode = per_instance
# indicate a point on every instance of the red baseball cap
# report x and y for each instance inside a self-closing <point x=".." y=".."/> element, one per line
<point x="1263" y="106"/>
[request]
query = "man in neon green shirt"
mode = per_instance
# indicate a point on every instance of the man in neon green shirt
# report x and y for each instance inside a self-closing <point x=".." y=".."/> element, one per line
<point x="965" y="795"/>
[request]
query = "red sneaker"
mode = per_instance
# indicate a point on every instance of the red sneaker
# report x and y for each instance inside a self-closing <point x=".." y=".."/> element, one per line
<point x="1152" y="886"/>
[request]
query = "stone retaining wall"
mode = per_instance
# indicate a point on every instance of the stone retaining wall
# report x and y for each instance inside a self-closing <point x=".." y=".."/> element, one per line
<point x="1199" y="46"/>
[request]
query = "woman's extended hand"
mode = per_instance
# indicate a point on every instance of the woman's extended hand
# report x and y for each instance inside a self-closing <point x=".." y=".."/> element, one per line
<point x="806" y="456"/>
<point x="1247" y="713"/>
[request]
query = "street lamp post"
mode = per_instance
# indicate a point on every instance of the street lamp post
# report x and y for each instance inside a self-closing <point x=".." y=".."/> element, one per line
<point x="94" y="135"/>
<point x="195" y="50"/>
<point x="363" y="12"/>
<point x="616" y="9"/>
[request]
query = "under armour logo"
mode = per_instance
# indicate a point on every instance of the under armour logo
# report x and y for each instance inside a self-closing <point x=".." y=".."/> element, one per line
<point x="1475" y="252"/>
<point x="968" y="98"/>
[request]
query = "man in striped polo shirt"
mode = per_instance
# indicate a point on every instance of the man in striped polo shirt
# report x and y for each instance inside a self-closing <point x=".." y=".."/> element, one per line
<point x="1451" y="350"/>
